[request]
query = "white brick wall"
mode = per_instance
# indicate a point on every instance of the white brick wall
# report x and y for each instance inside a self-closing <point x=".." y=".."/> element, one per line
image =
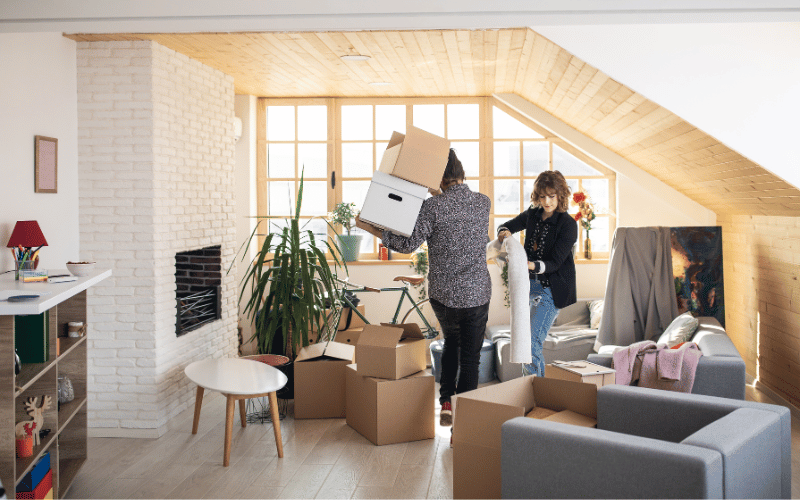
<point x="156" y="174"/>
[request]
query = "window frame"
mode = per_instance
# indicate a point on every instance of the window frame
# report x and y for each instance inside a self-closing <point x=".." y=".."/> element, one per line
<point x="485" y="142"/>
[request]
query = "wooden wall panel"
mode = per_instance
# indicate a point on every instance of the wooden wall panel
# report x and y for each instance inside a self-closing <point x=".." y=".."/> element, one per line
<point x="761" y="256"/>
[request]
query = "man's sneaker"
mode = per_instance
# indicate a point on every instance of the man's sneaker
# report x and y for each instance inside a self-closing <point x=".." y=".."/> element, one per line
<point x="446" y="415"/>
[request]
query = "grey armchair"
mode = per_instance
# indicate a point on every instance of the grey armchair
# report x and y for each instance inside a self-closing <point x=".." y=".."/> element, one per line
<point x="652" y="444"/>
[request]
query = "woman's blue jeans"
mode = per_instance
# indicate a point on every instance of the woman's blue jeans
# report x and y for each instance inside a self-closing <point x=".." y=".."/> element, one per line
<point x="543" y="314"/>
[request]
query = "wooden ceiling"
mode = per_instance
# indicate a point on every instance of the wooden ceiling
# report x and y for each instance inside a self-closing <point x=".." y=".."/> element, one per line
<point x="484" y="62"/>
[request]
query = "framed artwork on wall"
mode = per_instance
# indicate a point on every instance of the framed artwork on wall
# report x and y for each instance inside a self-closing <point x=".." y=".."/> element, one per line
<point x="46" y="164"/>
<point x="697" y="268"/>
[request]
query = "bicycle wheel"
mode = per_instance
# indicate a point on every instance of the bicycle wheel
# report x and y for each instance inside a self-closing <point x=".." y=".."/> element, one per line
<point x="429" y="331"/>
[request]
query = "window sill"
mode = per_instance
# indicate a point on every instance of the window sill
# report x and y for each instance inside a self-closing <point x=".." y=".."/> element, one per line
<point x="375" y="262"/>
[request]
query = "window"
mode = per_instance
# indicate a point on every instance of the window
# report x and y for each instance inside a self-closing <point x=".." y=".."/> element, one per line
<point x="344" y="139"/>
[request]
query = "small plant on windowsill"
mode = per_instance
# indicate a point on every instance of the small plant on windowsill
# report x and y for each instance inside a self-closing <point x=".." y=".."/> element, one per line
<point x="344" y="214"/>
<point x="419" y="263"/>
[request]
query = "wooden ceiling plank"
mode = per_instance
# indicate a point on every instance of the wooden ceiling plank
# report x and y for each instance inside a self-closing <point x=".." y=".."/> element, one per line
<point x="544" y="88"/>
<point x="607" y="108"/>
<point x="490" y="59"/>
<point x="502" y="61"/>
<point x="469" y="63"/>
<point x="585" y="75"/>
<point x="530" y="78"/>
<point x="569" y="73"/>
<point x="445" y="66"/>
<point x="402" y="80"/>
<point x="396" y="39"/>
<point x="579" y="107"/>
<point x="515" y="59"/>
<point x="450" y="40"/>
<point x="427" y="82"/>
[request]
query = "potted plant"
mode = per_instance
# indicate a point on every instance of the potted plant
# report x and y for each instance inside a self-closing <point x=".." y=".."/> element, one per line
<point x="344" y="214"/>
<point x="288" y="286"/>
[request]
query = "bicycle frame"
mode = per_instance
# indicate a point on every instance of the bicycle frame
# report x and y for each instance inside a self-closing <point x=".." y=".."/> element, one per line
<point x="403" y="294"/>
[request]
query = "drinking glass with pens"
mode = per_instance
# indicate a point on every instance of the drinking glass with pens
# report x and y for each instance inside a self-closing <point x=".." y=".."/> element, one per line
<point x="25" y="236"/>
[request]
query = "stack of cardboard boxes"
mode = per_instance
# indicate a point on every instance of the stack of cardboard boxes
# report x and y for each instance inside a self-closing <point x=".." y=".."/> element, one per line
<point x="390" y="396"/>
<point x="412" y="163"/>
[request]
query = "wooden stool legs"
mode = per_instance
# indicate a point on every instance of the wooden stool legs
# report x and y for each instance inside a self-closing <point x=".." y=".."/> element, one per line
<point x="276" y="422"/>
<point x="198" y="403"/>
<point x="230" y="410"/>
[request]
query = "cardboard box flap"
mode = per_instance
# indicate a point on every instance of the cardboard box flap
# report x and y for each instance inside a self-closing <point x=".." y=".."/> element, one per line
<point x="572" y="418"/>
<point x="479" y="422"/>
<point x="397" y="138"/>
<point x="326" y="350"/>
<point x="380" y="336"/>
<point x="410" y="330"/>
<point x="566" y="395"/>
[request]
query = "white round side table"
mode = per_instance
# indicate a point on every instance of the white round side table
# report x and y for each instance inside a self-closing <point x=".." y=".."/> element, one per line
<point x="238" y="379"/>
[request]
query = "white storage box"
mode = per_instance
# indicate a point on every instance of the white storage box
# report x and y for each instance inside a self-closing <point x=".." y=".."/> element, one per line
<point x="393" y="203"/>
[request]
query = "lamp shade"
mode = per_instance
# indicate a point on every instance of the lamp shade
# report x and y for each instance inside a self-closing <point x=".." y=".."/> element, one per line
<point x="27" y="234"/>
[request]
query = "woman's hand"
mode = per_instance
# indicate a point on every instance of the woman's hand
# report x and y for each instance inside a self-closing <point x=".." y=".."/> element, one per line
<point x="366" y="226"/>
<point x="503" y="235"/>
<point x="434" y="192"/>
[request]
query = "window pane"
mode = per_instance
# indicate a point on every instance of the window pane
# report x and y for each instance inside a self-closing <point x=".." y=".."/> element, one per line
<point x="312" y="123"/>
<point x="599" y="234"/>
<point x="569" y="165"/>
<point x="357" y="159"/>
<point x="597" y="189"/>
<point x="280" y="123"/>
<point x="462" y="121"/>
<point x="535" y="157"/>
<point x="315" y="198"/>
<point x="474" y="185"/>
<point x="380" y="148"/>
<point x="506" y="127"/>
<point x="430" y="117"/>
<point x="527" y="190"/>
<point x="506" y="158"/>
<point x="469" y="154"/>
<point x="366" y="242"/>
<point x="281" y="198"/>
<point x="355" y="192"/>
<point x="314" y="157"/>
<point x="280" y="160"/>
<point x="357" y="123"/>
<point x="388" y="119"/>
<point x="506" y="197"/>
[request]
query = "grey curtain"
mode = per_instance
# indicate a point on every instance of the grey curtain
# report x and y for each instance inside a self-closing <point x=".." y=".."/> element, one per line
<point x="640" y="295"/>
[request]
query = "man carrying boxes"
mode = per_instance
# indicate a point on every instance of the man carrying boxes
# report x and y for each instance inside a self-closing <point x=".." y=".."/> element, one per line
<point x="455" y="223"/>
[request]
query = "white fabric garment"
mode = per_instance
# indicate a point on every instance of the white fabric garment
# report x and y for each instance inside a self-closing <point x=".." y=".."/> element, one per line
<point x="513" y="252"/>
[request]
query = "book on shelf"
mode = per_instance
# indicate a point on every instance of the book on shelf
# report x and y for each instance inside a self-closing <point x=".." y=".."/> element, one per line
<point x="61" y="278"/>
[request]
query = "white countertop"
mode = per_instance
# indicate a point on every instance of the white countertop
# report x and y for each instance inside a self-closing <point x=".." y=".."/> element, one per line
<point x="50" y="294"/>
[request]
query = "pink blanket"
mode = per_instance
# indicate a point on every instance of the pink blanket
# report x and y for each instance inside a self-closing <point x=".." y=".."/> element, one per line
<point x="657" y="367"/>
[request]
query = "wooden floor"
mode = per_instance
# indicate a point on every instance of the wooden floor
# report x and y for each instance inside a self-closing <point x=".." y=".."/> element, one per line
<point x="322" y="459"/>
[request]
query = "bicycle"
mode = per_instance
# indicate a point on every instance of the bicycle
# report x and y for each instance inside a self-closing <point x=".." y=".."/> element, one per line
<point x="428" y="331"/>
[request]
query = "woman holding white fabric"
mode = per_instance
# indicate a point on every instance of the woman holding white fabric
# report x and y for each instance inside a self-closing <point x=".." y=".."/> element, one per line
<point x="550" y="233"/>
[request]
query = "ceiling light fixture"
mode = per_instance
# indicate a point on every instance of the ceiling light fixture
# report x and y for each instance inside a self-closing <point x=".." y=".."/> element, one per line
<point x="380" y="84"/>
<point x="355" y="57"/>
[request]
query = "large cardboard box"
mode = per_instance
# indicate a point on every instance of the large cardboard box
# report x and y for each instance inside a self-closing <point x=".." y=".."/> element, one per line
<point x="478" y="418"/>
<point x="392" y="203"/>
<point x="391" y="411"/>
<point x="319" y="381"/>
<point x="349" y="336"/>
<point x="391" y="351"/>
<point x="418" y="156"/>
<point x="581" y="371"/>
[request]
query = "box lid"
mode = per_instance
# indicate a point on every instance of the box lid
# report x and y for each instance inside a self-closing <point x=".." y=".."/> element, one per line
<point x="380" y="336"/>
<point x="398" y="184"/>
<point x="422" y="157"/>
<point x="326" y="350"/>
<point x="582" y="367"/>
<point x="410" y="330"/>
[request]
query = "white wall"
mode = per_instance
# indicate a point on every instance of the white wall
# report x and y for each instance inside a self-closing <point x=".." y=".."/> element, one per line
<point x="38" y="96"/>
<point x="740" y="83"/>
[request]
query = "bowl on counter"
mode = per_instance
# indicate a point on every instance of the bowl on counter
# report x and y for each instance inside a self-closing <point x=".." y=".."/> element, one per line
<point x="81" y="268"/>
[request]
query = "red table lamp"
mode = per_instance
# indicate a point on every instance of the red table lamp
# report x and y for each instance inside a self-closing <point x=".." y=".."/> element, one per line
<point x="27" y="234"/>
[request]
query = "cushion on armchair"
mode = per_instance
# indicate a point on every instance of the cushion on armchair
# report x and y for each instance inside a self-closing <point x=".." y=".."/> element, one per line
<point x="680" y="330"/>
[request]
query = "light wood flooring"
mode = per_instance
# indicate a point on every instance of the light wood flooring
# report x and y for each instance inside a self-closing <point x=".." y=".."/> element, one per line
<point x="322" y="459"/>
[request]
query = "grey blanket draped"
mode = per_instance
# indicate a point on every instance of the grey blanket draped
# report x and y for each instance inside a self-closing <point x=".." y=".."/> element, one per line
<point x="640" y="298"/>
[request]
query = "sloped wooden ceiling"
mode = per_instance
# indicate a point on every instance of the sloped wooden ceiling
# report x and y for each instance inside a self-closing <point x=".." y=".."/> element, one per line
<point x="485" y="62"/>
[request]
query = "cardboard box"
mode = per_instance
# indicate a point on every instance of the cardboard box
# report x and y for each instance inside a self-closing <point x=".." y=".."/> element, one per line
<point x="418" y="156"/>
<point x="355" y="319"/>
<point x="478" y="418"/>
<point x="319" y="381"/>
<point x="392" y="203"/>
<point x="391" y="351"/>
<point x="349" y="336"/>
<point x="581" y="371"/>
<point x="391" y="411"/>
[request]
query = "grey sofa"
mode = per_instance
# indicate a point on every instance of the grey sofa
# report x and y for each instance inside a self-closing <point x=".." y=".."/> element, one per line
<point x="570" y="339"/>
<point x="721" y="369"/>
<point x="652" y="444"/>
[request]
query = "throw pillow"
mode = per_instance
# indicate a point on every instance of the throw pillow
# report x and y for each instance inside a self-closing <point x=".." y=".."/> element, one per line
<point x="680" y="330"/>
<point x="595" y="313"/>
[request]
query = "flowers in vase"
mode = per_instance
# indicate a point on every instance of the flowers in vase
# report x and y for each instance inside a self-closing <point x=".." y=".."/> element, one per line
<point x="585" y="214"/>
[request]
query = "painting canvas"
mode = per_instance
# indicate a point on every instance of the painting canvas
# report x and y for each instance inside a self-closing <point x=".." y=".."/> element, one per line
<point x="697" y="268"/>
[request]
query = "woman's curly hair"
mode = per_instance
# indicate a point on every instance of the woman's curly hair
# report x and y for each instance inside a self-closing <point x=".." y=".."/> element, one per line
<point x="548" y="182"/>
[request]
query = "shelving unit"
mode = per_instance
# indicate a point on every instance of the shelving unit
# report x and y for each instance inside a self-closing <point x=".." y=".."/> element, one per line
<point x="68" y="425"/>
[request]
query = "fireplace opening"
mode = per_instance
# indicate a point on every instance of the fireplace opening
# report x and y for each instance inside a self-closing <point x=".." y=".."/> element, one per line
<point x="198" y="280"/>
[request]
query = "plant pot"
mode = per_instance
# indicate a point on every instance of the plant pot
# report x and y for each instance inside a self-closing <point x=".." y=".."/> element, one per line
<point x="24" y="446"/>
<point x="350" y="245"/>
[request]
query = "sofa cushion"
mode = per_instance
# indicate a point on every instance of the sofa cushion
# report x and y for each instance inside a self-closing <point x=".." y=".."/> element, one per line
<point x="595" y="313"/>
<point x="680" y="330"/>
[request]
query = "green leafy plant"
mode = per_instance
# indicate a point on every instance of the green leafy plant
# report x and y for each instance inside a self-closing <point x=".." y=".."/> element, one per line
<point x="344" y="214"/>
<point x="289" y="285"/>
<point x="504" y="279"/>
<point x="419" y="263"/>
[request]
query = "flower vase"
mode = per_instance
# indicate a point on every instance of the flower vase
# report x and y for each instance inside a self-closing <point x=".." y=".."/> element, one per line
<point x="587" y="247"/>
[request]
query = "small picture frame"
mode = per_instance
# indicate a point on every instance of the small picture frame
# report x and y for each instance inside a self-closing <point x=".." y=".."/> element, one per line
<point x="46" y="164"/>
